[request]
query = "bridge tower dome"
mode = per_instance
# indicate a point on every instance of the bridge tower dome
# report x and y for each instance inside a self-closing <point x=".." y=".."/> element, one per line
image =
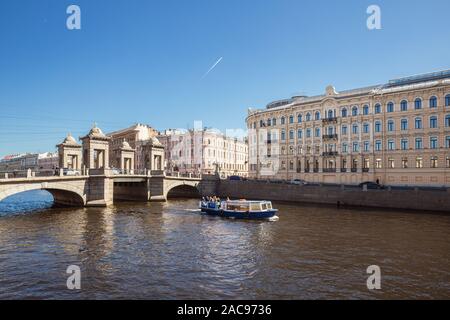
<point x="69" y="152"/>
<point x="95" y="149"/>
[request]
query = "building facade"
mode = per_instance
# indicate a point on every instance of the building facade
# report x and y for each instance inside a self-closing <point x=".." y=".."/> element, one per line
<point x="204" y="151"/>
<point x="33" y="161"/>
<point x="397" y="133"/>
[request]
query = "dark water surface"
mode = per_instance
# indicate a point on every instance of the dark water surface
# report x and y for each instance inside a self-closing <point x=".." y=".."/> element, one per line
<point x="170" y="251"/>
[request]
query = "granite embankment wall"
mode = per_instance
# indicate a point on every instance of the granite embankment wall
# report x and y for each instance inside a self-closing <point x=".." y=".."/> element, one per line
<point x="413" y="199"/>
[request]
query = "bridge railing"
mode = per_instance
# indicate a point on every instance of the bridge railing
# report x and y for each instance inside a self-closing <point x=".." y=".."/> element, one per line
<point x="30" y="173"/>
<point x="182" y="174"/>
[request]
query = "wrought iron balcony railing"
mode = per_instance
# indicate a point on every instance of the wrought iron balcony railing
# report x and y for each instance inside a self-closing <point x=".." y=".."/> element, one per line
<point x="330" y="137"/>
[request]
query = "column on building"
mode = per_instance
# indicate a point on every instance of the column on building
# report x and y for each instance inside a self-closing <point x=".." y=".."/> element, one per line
<point x="123" y="157"/>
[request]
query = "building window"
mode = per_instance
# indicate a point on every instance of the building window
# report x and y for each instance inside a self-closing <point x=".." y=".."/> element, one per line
<point x="317" y="115"/>
<point x="299" y="118"/>
<point x="330" y="114"/>
<point x="404" y="105"/>
<point x="269" y="122"/>
<point x="418" y="123"/>
<point x="378" y="145"/>
<point x="447" y="142"/>
<point x="366" y="110"/>
<point x="366" y="128"/>
<point x="261" y="123"/>
<point x="404" y="124"/>
<point x="308" y="117"/>
<point x="378" y="108"/>
<point x="317" y="132"/>
<point x="283" y="121"/>
<point x="447" y="120"/>
<point x="390" y="107"/>
<point x="419" y="163"/>
<point x="366" y="163"/>
<point x="391" y="145"/>
<point x="404" y="144"/>
<point x="299" y="133"/>
<point x="419" y="143"/>
<point x="283" y="135"/>
<point x="433" y="142"/>
<point x="433" y="102"/>
<point x="344" y="113"/>
<point x="447" y="162"/>
<point x="390" y="126"/>
<point x="308" y="133"/>
<point x="291" y="165"/>
<point x="447" y="100"/>
<point x="378" y="164"/>
<point x="355" y="128"/>
<point x="433" y="122"/>
<point x="291" y="119"/>
<point x="344" y="130"/>
<point x="344" y="148"/>
<point x="355" y="147"/>
<point x="274" y="121"/>
<point x="354" y="111"/>
<point x="391" y="163"/>
<point x="291" y="135"/>
<point x="434" y="162"/>
<point x="418" y="104"/>
<point x="366" y="146"/>
<point x="405" y="163"/>
<point x="377" y="126"/>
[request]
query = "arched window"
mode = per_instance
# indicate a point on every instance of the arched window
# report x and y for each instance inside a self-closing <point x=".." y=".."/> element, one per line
<point x="390" y="107"/>
<point x="308" y="117"/>
<point x="378" y="126"/>
<point x="447" y="120"/>
<point x="404" y="124"/>
<point x="418" y="123"/>
<point x="366" y="128"/>
<point x="433" y="122"/>
<point x="366" y="110"/>
<point x="344" y="113"/>
<point x="355" y="128"/>
<point x="330" y="114"/>
<point x="299" y="134"/>
<point x="283" y="135"/>
<point x="283" y="121"/>
<point x="390" y="126"/>
<point x="447" y="100"/>
<point x="433" y="102"/>
<point x="261" y="123"/>
<point x="378" y="108"/>
<point x="308" y="133"/>
<point x="317" y="115"/>
<point x="354" y="111"/>
<point x="317" y="132"/>
<point x="404" y="105"/>
<point x="418" y="104"/>
<point x="269" y="122"/>
<point x="291" y="119"/>
<point x="291" y="134"/>
<point x="299" y="118"/>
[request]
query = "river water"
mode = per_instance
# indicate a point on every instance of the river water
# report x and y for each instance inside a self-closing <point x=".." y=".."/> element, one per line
<point x="170" y="251"/>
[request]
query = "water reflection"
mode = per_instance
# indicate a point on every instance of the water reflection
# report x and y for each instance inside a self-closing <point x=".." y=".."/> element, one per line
<point x="167" y="251"/>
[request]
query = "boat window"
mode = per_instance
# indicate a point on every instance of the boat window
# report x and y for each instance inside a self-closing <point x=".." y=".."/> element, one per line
<point x="254" y="207"/>
<point x="269" y="205"/>
<point x="263" y="206"/>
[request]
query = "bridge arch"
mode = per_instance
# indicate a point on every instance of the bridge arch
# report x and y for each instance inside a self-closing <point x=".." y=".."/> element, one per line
<point x="63" y="193"/>
<point x="179" y="188"/>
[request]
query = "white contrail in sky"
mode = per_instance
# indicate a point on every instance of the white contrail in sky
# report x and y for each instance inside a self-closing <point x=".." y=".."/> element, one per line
<point x="214" y="65"/>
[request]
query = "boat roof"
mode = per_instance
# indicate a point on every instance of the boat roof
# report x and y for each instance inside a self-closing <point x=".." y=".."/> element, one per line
<point x="247" y="201"/>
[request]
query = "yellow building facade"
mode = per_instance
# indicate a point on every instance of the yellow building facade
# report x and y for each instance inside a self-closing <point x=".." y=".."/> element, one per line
<point x="397" y="133"/>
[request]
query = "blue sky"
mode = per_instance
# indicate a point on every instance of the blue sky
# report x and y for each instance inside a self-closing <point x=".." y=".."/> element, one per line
<point x="144" y="61"/>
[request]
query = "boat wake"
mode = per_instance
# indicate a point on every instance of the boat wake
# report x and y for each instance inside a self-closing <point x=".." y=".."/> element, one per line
<point x="274" y="218"/>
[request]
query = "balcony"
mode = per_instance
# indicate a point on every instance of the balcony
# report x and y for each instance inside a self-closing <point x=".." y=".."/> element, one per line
<point x="306" y="170"/>
<point x="328" y="170"/>
<point x="330" y="137"/>
<point x="315" y="170"/>
<point x="330" y="154"/>
<point x="343" y="169"/>
<point x="354" y="169"/>
<point x="365" y="170"/>
<point x="329" y="120"/>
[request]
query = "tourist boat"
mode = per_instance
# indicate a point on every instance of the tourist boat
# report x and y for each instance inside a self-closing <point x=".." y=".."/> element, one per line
<point x="239" y="209"/>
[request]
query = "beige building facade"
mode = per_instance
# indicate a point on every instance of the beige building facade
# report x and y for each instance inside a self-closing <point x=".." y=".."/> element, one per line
<point x="204" y="151"/>
<point x="397" y="133"/>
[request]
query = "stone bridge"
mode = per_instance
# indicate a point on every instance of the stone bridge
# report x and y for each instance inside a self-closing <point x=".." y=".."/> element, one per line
<point x="104" y="189"/>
